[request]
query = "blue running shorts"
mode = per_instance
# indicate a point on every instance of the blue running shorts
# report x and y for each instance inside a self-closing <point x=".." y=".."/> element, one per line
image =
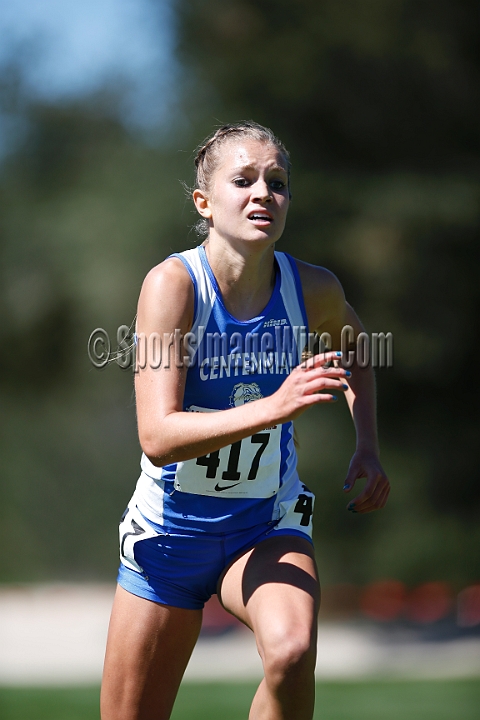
<point x="182" y="569"/>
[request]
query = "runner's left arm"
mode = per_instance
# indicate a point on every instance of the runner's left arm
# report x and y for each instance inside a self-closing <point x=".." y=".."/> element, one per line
<point x="328" y="311"/>
<point x="361" y="399"/>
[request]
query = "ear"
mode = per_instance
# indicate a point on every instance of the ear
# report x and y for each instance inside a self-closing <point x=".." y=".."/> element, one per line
<point x="202" y="204"/>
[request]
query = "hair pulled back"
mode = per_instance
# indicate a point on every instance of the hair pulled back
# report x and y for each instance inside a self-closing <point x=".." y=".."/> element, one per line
<point x="209" y="152"/>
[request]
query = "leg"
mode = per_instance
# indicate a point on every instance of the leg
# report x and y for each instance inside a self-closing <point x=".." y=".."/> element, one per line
<point x="148" y="649"/>
<point x="274" y="590"/>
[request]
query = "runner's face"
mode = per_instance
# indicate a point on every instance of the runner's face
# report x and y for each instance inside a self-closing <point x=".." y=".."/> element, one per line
<point x="249" y="196"/>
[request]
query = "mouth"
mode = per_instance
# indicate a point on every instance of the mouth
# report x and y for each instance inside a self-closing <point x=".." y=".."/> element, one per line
<point x="260" y="217"/>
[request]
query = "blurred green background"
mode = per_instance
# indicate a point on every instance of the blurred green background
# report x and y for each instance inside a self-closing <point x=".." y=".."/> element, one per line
<point x="377" y="102"/>
<point x="368" y="700"/>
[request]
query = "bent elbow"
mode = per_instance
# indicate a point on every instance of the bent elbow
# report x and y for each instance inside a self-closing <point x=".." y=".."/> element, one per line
<point x="157" y="442"/>
<point x="155" y="451"/>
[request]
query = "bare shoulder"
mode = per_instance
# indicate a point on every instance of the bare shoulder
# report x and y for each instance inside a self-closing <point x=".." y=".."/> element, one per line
<point x="323" y="295"/>
<point x="169" y="272"/>
<point x="167" y="295"/>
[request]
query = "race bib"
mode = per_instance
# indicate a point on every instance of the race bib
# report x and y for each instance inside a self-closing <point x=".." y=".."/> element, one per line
<point x="297" y="513"/>
<point x="249" y="468"/>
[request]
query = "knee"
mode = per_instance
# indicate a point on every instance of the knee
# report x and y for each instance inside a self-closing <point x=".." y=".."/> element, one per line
<point x="288" y="656"/>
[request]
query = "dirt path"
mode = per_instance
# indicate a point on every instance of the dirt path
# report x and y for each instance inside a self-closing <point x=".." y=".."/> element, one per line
<point x="55" y="635"/>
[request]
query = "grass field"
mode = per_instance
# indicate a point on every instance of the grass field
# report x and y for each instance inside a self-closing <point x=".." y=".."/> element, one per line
<point x="397" y="700"/>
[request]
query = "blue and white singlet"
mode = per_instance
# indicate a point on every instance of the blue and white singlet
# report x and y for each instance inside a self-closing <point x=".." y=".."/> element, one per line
<point x="232" y="362"/>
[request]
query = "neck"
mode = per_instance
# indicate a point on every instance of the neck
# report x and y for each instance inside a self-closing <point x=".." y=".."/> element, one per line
<point x="245" y="276"/>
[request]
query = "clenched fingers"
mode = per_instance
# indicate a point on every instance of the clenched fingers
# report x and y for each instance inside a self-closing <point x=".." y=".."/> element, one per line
<point x="373" y="497"/>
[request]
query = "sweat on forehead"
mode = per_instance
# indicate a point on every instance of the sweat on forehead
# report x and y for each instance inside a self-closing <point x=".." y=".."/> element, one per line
<point x="210" y="152"/>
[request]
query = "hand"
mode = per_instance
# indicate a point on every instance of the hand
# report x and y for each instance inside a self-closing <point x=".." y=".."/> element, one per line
<point x="375" y="493"/>
<point x="304" y="386"/>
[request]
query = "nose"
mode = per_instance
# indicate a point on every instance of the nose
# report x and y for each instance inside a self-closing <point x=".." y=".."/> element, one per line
<point x="261" y="192"/>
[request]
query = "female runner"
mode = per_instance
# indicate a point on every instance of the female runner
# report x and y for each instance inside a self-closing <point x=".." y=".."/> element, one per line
<point x="219" y="506"/>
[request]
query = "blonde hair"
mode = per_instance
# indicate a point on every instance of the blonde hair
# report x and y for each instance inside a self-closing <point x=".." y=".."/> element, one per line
<point x="209" y="152"/>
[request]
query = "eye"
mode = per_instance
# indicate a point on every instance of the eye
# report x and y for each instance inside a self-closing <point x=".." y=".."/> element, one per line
<point x="277" y="184"/>
<point x="241" y="182"/>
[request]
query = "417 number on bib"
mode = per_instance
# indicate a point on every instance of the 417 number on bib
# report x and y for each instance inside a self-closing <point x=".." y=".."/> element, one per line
<point x="232" y="473"/>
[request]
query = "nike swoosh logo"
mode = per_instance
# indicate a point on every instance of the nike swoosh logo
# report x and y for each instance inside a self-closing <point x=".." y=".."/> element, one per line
<point x="218" y="488"/>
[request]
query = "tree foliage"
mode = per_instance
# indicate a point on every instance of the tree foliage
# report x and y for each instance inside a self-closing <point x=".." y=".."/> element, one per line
<point x="376" y="101"/>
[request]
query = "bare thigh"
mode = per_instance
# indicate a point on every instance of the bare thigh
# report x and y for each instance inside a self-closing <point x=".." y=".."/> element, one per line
<point x="148" y="649"/>
<point x="276" y="578"/>
<point x="274" y="590"/>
